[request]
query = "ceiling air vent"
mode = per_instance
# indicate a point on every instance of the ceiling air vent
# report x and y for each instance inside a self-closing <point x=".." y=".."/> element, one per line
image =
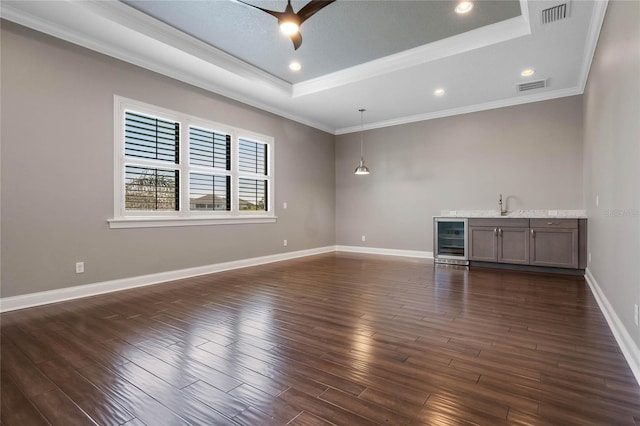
<point x="532" y="85"/>
<point x="554" y="13"/>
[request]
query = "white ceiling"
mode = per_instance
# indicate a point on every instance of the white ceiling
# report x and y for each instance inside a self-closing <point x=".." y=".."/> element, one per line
<point x="387" y="56"/>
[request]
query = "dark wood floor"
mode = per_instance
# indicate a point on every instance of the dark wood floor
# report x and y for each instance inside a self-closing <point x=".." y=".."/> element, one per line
<point x="342" y="339"/>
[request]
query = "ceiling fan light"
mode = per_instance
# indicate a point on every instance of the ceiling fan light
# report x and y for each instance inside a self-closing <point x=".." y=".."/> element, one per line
<point x="289" y="27"/>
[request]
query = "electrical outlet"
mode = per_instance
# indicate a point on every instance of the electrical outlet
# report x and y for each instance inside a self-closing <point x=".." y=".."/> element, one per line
<point x="635" y="314"/>
<point x="597" y="201"/>
<point x="79" y="267"/>
<point x="285" y="243"/>
<point x="364" y="238"/>
<point x="284" y="205"/>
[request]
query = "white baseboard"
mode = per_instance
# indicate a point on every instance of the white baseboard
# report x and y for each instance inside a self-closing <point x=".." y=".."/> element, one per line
<point x="629" y="348"/>
<point x="387" y="252"/>
<point x="76" y="292"/>
<point x="68" y="293"/>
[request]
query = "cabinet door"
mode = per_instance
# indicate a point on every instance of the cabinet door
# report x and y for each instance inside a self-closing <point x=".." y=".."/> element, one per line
<point x="483" y="243"/>
<point x="554" y="247"/>
<point x="513" y="245"/>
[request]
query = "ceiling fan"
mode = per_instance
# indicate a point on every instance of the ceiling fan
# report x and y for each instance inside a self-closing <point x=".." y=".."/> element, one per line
<point x="290" y="21"/>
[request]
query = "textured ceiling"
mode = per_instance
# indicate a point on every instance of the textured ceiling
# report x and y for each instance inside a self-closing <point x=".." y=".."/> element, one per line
<point x="343" y="34"/>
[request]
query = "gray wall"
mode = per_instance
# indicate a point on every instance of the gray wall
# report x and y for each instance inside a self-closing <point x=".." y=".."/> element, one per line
<point x="531" y="153"/>
<point x="57" y="172"/>
<point x="612" y="160"/>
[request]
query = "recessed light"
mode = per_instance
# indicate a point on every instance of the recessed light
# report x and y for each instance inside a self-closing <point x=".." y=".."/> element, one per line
<point x="464" y="7"/>
<point x="295" y="66"/>
<point x="527" y="73"/>
<point x="438" y="92"/>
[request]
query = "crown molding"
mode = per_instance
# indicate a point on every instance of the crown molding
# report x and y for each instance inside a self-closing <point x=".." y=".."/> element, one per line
<point x="144" y="24"/>
<point x="92" y="15"/>
<point x="471" y="40"/>
<point x="597" y="19"/>
<point x="117" y="30"/>
<point x="595" y="25"/>
<point x="561" y="93"/>
<point x="524" y="10"/>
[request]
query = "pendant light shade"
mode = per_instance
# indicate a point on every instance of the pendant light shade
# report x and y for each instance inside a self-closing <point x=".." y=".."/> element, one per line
<point x="361" y="169"/>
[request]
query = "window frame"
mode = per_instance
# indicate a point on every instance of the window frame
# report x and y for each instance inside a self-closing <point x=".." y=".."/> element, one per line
<point x="184" y="216"/>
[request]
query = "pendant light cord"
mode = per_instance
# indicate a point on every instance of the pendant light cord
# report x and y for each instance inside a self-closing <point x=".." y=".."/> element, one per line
<point x="361" y="169"/>
<point x="362" y="110"/>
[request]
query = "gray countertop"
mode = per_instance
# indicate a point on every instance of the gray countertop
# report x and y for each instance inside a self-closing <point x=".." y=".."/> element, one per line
<point x="528" y="214"/>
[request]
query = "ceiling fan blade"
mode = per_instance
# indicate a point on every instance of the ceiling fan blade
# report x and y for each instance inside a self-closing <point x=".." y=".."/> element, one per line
<point x="289" y="15"/>
<point x="277" y="15"/>
<point x="311" y="8"/>
<point x="296" y="39"/>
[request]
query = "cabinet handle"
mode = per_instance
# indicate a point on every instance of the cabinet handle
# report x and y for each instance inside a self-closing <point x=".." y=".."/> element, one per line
<point x="533" y="233"/>
<point x="500" y="232"/>
<point x="495" y="231"/>
<point x="553" y="223"/>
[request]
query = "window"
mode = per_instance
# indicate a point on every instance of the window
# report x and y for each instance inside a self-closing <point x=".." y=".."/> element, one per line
<point x="152" y="143"/>
<point x="210" y="179"/>
<point x="252" y="185"/>
<point x="218" y="174"/>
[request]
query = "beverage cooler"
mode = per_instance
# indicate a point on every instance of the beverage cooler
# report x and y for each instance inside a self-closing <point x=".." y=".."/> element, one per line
<point x="450" y="240"/>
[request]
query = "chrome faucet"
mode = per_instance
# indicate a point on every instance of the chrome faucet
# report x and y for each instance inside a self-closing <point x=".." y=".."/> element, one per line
<point x="501" y="210"/>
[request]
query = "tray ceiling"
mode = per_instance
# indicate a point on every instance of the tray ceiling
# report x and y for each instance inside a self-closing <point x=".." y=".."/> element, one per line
<point x="387" y="56"/>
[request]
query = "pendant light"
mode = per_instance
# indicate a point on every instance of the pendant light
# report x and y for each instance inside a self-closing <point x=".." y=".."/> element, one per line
<point x="361" y="169"/>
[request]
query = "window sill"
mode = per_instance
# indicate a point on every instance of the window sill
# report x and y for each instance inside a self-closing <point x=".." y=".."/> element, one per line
<point x="161" y="222"/>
